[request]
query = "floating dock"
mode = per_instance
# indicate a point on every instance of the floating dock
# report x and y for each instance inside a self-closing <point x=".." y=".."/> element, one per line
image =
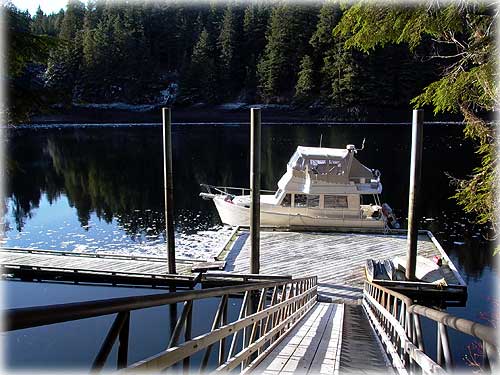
<point x="338" y="259"/>
<point x="31" y="264"/>
<point x="335" y="336"/>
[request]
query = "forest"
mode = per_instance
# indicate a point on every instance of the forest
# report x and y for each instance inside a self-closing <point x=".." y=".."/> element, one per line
<point x="342" y="60"/>
<point x="183" y="53"/>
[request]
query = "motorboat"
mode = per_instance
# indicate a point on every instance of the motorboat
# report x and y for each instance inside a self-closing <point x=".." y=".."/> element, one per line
<point x="322" y="187"/>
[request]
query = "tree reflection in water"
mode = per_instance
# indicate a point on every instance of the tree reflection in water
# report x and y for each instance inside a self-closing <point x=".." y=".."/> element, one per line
<point x="117" y="173"/>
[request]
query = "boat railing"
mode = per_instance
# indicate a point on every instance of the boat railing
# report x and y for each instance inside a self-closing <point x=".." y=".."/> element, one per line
<point x="397" y="322"/>
<point x="231" y="190"/>
<point x="268" y="311"/>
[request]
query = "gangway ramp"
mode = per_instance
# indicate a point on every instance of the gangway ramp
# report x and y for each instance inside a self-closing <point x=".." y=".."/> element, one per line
<point x="312" y="347"/>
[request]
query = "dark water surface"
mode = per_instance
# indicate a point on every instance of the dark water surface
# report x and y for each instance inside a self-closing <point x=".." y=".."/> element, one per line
<point x="101" y="189"/>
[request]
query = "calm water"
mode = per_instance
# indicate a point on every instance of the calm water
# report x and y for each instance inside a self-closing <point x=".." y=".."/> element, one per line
<point x="101" y="189"/>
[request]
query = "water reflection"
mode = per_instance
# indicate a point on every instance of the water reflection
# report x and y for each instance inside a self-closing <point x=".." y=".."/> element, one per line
<point x="112" y="177"/>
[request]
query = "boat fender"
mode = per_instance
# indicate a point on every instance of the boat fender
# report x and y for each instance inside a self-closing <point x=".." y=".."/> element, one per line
<point x="386" y="210"/>
<point x="438" y="260"/>
<point x="391" y="219"/>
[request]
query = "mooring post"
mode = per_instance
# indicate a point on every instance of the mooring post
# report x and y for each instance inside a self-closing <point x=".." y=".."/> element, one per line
<point x="169" y="189"/>
<point x="415" y="179"/>
<point x="255" y="190"/>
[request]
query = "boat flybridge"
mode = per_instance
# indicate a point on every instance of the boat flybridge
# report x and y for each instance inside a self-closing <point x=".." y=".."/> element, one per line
<point x="322" y="187"/>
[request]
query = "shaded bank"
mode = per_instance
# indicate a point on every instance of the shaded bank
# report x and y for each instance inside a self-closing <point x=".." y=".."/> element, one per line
<point x="207" y="113"/>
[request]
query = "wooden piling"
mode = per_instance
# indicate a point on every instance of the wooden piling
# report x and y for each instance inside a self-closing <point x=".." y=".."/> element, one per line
<point x="415" y="180"/>
<point x="169" y="189"/>
<point x="255" y="190"/>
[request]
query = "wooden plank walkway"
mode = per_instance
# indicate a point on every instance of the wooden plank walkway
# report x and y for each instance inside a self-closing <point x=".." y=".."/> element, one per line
<point x="337" y="258"/>
<point x="91" y="267"/>
<point x="361" y="351"/>
<point x="312" y="347"/>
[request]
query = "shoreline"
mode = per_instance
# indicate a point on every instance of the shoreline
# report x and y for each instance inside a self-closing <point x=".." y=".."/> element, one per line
<point x="214" y="114"/>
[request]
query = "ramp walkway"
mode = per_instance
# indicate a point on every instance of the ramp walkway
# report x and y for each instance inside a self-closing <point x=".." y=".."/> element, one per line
<point x="312" y="347"/>
<point x="361" y="351"/>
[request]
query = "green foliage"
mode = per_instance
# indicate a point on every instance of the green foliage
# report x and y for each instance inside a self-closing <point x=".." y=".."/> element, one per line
<point x="255" y="22"/>
<point x="43" y="24"/>
<point x="464" y="41"/>
<point x="305" y="83"/>
<point x="203" y="79"/>
<point x="251" y="52"/>
<point x="229" y="44"/>
<point x="72" y="22"/>
<point x="25" y="53"/>
<point x="24" y="47"/>
<point x="290" y="28"/>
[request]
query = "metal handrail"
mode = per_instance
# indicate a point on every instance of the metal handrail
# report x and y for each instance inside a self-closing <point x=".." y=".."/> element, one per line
<point x="268" y="312"/>
<point x="466" y="326"/>
<point x="397" y="322"/>
<point x="28" y="317"/>
<point x="224" y="189"/>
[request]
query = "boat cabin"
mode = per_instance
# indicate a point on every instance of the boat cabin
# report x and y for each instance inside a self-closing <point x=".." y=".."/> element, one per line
<point x="326" y="178"/>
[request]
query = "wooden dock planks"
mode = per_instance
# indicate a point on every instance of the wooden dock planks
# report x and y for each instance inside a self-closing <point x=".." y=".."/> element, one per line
<point x="337" y="258"/>
<point x="313" y="346"/>
<point x="80" y="266"/>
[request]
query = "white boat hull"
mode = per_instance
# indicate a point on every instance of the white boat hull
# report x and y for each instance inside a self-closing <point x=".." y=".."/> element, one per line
<point x="270" y="216"/>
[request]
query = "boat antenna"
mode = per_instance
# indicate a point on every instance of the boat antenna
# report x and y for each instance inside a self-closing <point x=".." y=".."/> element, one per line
<point x="362" y="145"/>
<point x="320" y="140"/>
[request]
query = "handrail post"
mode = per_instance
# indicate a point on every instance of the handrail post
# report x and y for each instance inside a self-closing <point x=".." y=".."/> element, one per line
<point x="187" y="337"/>
<point x="169" y="189"/>
<point x="439" y="347"/>
<point x="418" y="332"/>
<point x="123" y="343"/>
<point x="109" y="341"/>
<point x="415" y="178"/>
<point x="255" y="193"/>
<point x="446" y="346"/>
<point x="222" y="343"/>
<point x="486" y="356"/>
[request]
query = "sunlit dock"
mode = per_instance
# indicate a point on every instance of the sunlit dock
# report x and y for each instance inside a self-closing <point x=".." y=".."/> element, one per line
<point x="337" y="258"/>
<point x="31" y="264"/>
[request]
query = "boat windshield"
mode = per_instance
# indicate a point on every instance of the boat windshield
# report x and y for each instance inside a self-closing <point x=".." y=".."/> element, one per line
<point x="297" y="162"/>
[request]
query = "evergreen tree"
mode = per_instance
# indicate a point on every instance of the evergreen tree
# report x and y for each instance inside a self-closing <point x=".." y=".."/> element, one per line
<point x="290" y="29"/>
<point x="26" y="53"/>
<point x="63" y="68"/>
<point x="255" y="23"/>
<point x="468" y="84"/>
<point x="39" y="23"/>
<point x="305" y="84"/>
<point x="326" y="51"/>
<point x="72" y="22"/>
<point x="202" y="81"/>
<point x="229" y="44"/>
<point x="56" y="22"/>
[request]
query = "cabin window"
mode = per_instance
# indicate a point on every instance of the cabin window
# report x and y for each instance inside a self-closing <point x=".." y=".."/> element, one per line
<point x="318" y="166"/>
<point x="313" y="201"/>
<point x="287" y="200"/>
<point x="300" y="200"/>
<point x="297" y="162"/>
<point x="336" y="168"/>
<point x="335" y="201"/>
<point x="278" y="193"/>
